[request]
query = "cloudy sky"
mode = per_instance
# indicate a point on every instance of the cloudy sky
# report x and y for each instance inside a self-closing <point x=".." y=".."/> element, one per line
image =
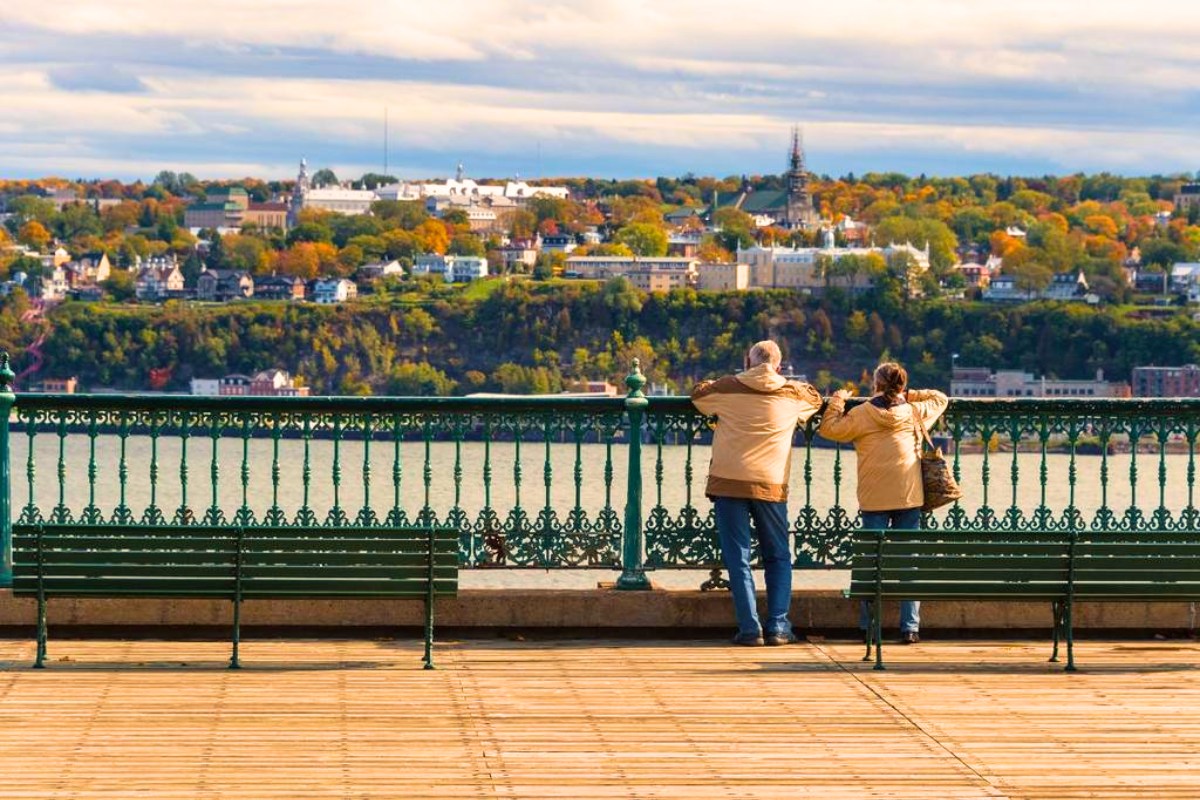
<point x="611" y="88"/>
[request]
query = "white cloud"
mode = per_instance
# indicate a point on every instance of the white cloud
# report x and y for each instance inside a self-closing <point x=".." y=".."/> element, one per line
<point x="1061" y="82"/>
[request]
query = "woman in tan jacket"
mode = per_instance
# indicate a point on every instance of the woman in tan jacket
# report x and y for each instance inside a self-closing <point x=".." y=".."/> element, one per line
<point x="887" y="444"/>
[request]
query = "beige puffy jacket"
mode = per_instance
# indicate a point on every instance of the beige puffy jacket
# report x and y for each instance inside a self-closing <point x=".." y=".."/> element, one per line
<point x="885" y="441"/>
<point x="757" y="412"/>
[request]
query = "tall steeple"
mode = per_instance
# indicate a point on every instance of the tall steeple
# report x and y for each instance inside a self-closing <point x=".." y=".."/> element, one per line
<point x="796" y="162"/>
<point x="800" y="212"/>
<point x="299" y="192"/>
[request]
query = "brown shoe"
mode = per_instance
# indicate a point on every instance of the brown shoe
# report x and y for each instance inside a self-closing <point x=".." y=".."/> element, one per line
<point x="910" y="637"/>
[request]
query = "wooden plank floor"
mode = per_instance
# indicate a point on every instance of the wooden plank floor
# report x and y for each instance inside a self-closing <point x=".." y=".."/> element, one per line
<point x="598" y="719"/>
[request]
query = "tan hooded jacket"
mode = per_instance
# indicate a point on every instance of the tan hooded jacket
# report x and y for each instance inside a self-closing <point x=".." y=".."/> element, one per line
<point x="885" y="441"/>
<point x="757" y="412"/>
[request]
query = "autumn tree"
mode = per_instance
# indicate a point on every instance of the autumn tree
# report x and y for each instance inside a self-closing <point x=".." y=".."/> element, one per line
<point x="643" y="238"/>
<point x="33" y="234"/>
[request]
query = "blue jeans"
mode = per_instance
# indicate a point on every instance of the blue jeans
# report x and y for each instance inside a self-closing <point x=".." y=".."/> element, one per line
<point x="905" y="519"/>
<point x="771" y="526"/>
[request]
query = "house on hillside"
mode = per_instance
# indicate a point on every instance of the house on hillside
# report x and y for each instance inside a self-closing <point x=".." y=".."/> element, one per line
<point x="333" y="290"/>
<point x="559" y="243"/>
<point x="1185" y="279"/>
<point x="379" y="269"/>
<point x="1066" y="286"/>
<point x="223" y="285"/>
<point x="276" y="383"/>
<point x="453" y="269"/>
<point x="1003" y="289"/>
<point x="159" y="283"/>
<point x="89" y="269"/>
<point x="280" y="287"/>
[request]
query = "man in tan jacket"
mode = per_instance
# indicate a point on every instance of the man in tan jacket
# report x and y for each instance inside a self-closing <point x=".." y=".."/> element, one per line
<point x="757" y="412"/>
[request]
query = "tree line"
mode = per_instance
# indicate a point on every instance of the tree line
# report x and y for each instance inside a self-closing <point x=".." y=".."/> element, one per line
<point x="539" y="337"/>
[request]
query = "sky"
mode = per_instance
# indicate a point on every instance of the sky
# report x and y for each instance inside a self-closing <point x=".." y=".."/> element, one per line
<point x="606" y="88"/>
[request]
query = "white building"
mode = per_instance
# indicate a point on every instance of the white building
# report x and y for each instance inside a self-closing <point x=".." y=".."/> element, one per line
<point x="800" y="267"/>
<point x="982" y="382"/>
<point x="338" y="199"/>
<point x="380" y="269"/>
<point x="558" y="243"/>
<point x="333" y="290"/>
<point x="461" y="188"/>
<point x="53" y="286"/>
<point x="206" y="387"/>
<point x="453" y="269"/>
<point x="1185" y="279"/>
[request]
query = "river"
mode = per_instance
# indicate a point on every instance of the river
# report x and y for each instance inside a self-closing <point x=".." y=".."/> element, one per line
<point x="673" y="492"/>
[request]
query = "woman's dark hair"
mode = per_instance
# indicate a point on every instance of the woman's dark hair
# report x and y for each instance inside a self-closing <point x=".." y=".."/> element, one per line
<point x="890" y="380"/>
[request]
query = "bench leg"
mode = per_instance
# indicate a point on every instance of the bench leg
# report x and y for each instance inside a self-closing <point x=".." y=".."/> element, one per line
<point x="1068" y="627"/>
<point x="877" y="627"/>
<point x="429" y="633"/>
<point x="1056" y="612"/>
<point x="40" y="658"/>
<point x="868" y="631"/>
<point x="234" y="662"/>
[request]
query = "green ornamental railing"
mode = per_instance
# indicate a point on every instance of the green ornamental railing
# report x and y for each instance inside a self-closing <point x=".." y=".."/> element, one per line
<point x="536" y="482"/>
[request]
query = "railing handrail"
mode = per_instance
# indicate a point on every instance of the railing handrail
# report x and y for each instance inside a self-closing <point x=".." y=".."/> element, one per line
<point x="149" y="401"/>
<point x="323" y="404"/>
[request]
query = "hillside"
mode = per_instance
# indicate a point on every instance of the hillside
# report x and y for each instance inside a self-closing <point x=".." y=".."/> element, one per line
<point x="532" y="337"/>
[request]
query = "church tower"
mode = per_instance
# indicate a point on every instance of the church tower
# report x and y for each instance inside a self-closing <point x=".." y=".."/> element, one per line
<point x="299" y="193"/>
<point x="800" y="212"/>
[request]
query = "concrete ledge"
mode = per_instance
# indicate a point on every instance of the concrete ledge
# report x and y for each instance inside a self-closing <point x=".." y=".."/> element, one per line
<point x="599" y="609"/>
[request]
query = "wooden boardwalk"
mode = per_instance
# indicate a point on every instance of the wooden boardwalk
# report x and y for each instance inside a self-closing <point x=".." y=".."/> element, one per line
<point x="598" y="719"/>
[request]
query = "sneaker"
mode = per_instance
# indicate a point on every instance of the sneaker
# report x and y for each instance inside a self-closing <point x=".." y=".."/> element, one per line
<point x="748" y="639"/>
<point x="776" y="639"/>
<point x="910" y="637"/>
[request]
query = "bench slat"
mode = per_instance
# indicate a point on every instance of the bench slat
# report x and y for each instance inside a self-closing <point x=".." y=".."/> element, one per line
<point x="223" y="588"/>
<point x="199" y="561"/>
<point x="58" y="559"/>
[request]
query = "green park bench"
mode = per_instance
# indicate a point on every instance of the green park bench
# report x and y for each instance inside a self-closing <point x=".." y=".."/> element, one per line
<point x="232" y="563"/>
<point x="1060" y="568"/>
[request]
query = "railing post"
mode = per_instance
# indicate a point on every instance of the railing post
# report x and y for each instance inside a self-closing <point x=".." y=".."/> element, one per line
<point x="7" y="399"/>
<point x="633" y="571"/>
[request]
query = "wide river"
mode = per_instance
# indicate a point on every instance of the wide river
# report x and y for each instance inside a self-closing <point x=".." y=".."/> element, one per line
<point x="673" y="491"/>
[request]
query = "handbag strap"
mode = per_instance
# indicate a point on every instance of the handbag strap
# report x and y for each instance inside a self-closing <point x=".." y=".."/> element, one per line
<point x="919" y="422"/>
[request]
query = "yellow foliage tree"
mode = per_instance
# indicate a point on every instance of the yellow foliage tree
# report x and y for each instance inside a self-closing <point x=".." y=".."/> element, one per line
<point x="34" y="234"/>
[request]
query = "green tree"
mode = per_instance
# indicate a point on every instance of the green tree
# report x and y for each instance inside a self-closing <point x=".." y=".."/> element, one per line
<point x="121" y="285"/>
<point x="324" y="177"/>
<point x="643" y="238"/>
<point x="466" y="244"/>
<point x="419" y="379"/>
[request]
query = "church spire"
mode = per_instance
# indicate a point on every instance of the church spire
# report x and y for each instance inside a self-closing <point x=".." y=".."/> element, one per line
<point x="800" y="212"/>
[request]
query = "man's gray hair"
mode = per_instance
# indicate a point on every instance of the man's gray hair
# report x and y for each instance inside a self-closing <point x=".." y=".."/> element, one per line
<point x="765" y="352"/>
